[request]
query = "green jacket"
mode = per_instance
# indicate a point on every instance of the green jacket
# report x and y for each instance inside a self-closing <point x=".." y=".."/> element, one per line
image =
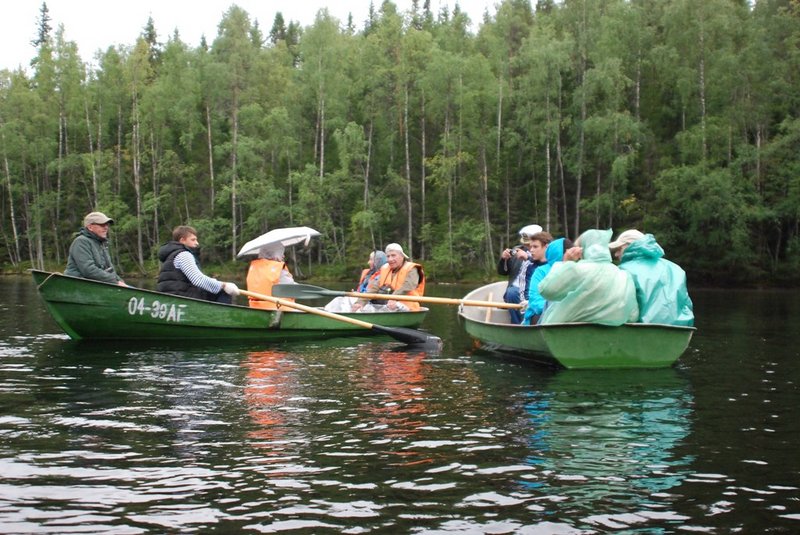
<point x="89" y="258"/>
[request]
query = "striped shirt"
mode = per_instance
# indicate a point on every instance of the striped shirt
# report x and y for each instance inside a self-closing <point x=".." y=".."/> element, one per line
<point x="184" y="262"/>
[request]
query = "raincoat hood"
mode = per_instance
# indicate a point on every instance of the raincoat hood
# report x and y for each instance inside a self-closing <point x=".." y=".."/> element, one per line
<point x="661" y="291"/>
<point x="595" y="245"/>
<point x="646" y="248"/>
<point x="554" y="252"/>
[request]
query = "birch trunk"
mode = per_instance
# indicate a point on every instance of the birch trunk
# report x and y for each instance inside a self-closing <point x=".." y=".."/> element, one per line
<point x="366" y="181"/>
<point x="423" y="148"/>
<point x="410" y="213"/>
<point x="234" y="171"/>
<point x="487" y="223"/>
<point x="14" y="252"/>
<point x="210" y="146"/>
<point x="137" y="181"/>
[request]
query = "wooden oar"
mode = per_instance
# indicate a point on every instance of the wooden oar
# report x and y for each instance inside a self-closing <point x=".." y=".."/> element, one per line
<point x="308" y="291"/>
<point x="405" y="335"/>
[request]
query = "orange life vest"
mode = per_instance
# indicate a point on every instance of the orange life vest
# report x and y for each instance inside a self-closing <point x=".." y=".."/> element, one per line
<point x="261" y="277"/>
<point x="395" y="279"/>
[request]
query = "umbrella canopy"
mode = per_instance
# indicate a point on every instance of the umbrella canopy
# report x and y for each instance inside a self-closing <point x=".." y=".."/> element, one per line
<point x="284" y="236"/>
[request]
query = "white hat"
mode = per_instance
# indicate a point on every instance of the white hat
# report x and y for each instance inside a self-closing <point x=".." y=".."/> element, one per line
<point x="396" y="247"/>
<point x="626" y="238"/>
<point x="527" y="231"/>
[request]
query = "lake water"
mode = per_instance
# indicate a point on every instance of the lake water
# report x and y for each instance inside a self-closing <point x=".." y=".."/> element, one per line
<point x="362" y="436"/>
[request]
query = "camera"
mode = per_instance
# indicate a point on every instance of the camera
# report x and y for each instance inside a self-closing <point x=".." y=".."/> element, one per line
<point x="385" y="289"/>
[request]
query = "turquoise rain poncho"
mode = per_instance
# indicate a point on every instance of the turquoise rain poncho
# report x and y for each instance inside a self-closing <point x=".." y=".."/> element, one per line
<point x="554" y="253"/>
<point x="660" y="284"/>
<point x="592" y="289"/>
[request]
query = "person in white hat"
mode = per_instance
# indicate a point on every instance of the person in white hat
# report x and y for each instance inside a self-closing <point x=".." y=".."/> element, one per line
<point x="399" y="276"/>
<point x="88" y="254"/>
<point x="661" y="291"/>
<point x="622" y="242"/>
<point x="511" y="262"/>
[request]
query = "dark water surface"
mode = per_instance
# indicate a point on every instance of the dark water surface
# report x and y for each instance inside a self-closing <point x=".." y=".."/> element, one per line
<point x="360" y="436"/>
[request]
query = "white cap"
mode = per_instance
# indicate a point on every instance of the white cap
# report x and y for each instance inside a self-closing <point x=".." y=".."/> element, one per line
<point x="396" y="247"/>
<point x="626" y="238"/>
<point x="527" y="231"/>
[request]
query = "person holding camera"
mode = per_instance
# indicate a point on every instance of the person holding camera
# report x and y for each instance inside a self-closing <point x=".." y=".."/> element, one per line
<point x="515" y="262"/>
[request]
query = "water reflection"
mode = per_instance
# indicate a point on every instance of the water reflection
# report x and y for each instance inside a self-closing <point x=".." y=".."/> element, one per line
<point x="609" y="437"/>
<point x="268" y="384"/>
<point x="358" y="435"/>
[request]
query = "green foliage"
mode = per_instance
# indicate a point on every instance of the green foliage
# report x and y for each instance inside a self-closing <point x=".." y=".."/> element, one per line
<point x="447" y="262"/>
<point x="678" y="117"/>
<point x="703" y="222"/>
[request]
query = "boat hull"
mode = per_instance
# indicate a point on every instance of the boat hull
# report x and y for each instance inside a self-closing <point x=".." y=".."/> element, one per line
<point x="574" y="345"/>
<point x="92" y="310"/>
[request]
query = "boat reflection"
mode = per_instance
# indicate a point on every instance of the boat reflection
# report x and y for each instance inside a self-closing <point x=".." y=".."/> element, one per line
<point x="268" y="385"/>
<point x="609" y="436"/>
<point x="393" y="385"/>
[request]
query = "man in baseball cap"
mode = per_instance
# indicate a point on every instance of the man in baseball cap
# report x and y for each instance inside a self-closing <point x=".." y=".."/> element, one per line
<point x="97" y="218"/>
<point x="88" y="255"/>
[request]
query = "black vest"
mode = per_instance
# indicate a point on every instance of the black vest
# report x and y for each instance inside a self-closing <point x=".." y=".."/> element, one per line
<point x="172" y="280"/>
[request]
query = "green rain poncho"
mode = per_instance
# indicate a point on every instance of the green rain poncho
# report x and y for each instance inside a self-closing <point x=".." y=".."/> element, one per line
<point x="590" y="290"/>
<point x="660" y="284"/>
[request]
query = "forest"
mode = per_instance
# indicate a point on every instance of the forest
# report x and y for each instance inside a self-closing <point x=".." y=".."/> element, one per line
<point x="677" y="117"/>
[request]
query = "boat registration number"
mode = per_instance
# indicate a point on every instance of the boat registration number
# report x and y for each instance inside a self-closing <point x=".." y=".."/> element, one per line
<point x="156" y="309"/>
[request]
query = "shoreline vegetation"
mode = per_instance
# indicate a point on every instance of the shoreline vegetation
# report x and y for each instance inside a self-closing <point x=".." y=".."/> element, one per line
<point x="678" y="118"/>
<point x="237" y="272"/>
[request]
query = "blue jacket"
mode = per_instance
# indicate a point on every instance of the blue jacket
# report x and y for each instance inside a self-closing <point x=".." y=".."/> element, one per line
<point x="554" y="253"/>
<point x="660" y="284"/>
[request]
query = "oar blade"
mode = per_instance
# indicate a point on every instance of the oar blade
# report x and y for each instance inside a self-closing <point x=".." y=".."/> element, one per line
<point x="411" y="337"/>
<point x="301" y="291"/>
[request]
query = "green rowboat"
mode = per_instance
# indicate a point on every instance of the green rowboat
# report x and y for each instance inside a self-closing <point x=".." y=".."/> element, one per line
<point x="573" y="345"/>
<point x="91" y="310"/>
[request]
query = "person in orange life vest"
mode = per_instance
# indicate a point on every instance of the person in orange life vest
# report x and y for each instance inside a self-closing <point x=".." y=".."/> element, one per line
<point x="345" y="304"/>
<point x="376" y="261"/>
<point x="399" y="276"/>
<point x="266" y="271"/>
